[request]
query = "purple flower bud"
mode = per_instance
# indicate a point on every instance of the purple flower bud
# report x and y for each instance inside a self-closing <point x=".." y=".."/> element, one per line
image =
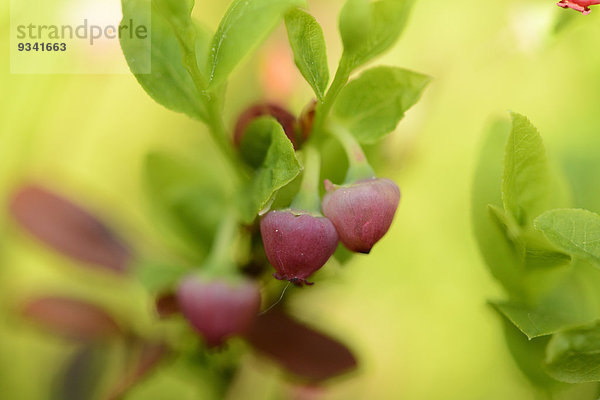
<point x="297" y="243"/>
<point x="219" y="308"/>
<point x="362" y="212"/>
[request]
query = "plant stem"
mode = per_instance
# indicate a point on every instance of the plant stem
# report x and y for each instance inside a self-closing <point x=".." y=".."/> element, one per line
<point x="212" y="106"/>
<point x="308" y="198"/>
<point x="359" y="167"/>
<point x="220" y="252"/>
<point x="339" y="81"/>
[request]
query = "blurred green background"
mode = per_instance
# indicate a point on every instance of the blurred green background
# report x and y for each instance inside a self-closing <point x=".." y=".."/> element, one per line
<point x="415" y="309"/>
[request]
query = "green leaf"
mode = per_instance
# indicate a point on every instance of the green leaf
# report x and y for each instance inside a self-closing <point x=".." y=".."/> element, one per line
<point x="310" y="54"/>
<point x="528" y="186"/>
<point x="388" y="19"/>
<point x="575" y="231"/>
<point x="243" y="27"/>
<point x="573" y="301"/>
<point x="256" y="141"/>
<point x="496" y="249"/>
<point x="529" y="354"/>
<point x="168" y="81"/>
<point x="355" y="23"/>
<point x="188" y="200"/>
<point x="574" y="356"/>
<point x="278" y="168"/>
<point x="372" y="105"/>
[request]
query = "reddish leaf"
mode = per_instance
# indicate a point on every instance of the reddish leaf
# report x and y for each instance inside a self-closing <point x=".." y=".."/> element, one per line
<point x="68" y="228"/>
<point x="145" y="360"/>
<point x="73" y="319"/>
<point x="298" y="348"/>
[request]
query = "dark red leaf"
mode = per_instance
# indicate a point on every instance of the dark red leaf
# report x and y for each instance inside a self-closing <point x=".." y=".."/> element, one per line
<point x="144" y="361"/>
<point x="70" y="318"/>
<point x="298" y="348"/>
<point x="68" y="228"/>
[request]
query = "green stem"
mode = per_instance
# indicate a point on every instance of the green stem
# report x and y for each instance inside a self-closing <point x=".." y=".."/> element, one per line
<point x="359" y="167"/>
<point x="339" y="81"/>
<point x="308" y="198"/>
<point x="212" y="106"/>
<point x="220" y="252"/>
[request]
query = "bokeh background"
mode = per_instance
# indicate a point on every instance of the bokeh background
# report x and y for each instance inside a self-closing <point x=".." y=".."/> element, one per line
<point x="415" y="309"/>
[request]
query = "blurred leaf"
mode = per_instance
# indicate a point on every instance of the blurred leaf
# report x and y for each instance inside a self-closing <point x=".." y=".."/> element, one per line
<point x="373" y="104"/>
<point x="279" y="167"/>
<point x="528" y="187"/>
<point x="144" y="358"/>
<point x="71" y="318"/>
<point x="496" y="249"/>
<point x="298" y="348"/>
<point x="243" y="27"/>
<point x="168" y="82"/>
<point x="574" y="356"/>
<point x="84" y="373"/>
<point x="388" y="19"/>
<point x="68" y="228"/>
<point x="342" y="254"/>
<point x="159" y="277"/>
<point x="533" y="251"/>
<point x="189" y="199"/>
<point x="310" y="53"/>
<point x="574" y="301"/>
<point x="528" y="354"/>
<point x="573" y="230"/>
<point x="354" y="23"/>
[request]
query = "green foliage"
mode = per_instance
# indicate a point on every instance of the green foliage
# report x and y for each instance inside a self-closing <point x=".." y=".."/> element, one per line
<point x="310" y="53"/>
<point x="243" y="27"/>
<point x="541" y="256"/>
<point x="169" y="82"/>
<point x="278" y="168"/>
<point x="573" y="230"/>
<point x="574" y="356"/>
<point x="187" y="199"/>
<point x="158" y="278"/>
<point x="387" y="21"/>
<point x="354" y="24"/>
<point x="372" y="105"/>
<point x="527" y="185"/>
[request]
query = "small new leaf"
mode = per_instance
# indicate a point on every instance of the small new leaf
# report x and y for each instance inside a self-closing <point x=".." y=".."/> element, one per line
<point x="243" y="27"/>
<point x="310" y="54"/>
<point x="387" y="21"/>
<point x="355" y="23"/>
<point x="278" y="168"/>
<point x="575" y="231"/>
<point x="372" y="105"/>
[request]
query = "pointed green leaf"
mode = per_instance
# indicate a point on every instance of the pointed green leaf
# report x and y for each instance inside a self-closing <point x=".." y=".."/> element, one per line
<point x="355" y="23"/>
<point x="167" y="80"/>
<point x="528" y="186"/>
<point x="372" y="105"/>
<point x="573" y="230"/>
<point x="574" y="356"/>
<point x="279" y="167"/>
<point x="310" y="54"/>
<point x="388" y="19"/>
<point x="243" y="27"/>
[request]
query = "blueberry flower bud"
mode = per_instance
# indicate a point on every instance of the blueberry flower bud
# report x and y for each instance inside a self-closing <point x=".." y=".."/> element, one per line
<point x="297" y="243"/>
<point x="582" y="6"/>
<point x="218" y="308"/>
<point x="361" y="212"/>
